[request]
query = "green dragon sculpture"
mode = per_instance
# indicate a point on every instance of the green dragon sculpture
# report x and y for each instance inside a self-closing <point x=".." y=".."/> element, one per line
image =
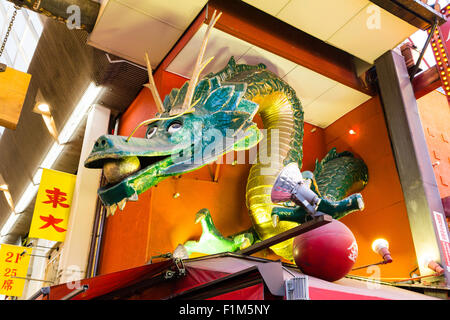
<point x="206" y="119"/>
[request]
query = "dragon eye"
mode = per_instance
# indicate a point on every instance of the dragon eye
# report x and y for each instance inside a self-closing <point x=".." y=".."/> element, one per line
<point x="150" y="132"/>
<point x="174" y="127"/>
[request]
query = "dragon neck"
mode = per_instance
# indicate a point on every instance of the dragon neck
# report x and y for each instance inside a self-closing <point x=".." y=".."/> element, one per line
<point x="282" y="117"/>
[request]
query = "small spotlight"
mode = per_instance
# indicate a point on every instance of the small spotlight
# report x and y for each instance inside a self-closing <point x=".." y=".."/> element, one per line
<point x="41" y="107"/>
<point x="5" y="189"/>
<point x="433" y="265"/>
<point x="351" y="131"/>
<point x="44" y="108"/>
<point x="381" y="246"/>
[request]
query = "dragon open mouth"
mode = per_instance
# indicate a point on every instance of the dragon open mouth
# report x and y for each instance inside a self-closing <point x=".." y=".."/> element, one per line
<point x="128" y="175"/>
<point x="116" y="170"/>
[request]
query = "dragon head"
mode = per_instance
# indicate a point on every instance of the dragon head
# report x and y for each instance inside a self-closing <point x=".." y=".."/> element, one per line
<point x="194" y="126"/>
<point x="218" y="121"/>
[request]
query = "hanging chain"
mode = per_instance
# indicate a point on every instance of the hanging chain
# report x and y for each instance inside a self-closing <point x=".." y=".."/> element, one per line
<point x="16" y="8"/>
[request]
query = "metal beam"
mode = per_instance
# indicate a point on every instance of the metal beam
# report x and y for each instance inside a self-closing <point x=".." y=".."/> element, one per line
<point x="414" y="167"/>
<point x="303" y="228"/>
<point x="415" y="12"/>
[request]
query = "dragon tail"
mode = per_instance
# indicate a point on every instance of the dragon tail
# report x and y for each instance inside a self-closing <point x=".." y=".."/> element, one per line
<point x="339" y="175"/>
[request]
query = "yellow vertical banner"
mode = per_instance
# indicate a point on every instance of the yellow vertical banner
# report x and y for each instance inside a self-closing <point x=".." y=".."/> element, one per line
<point x="14" y="261"/>
<point x="52" y="208"/>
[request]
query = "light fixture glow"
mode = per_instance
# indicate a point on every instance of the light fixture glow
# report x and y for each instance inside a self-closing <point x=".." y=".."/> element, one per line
<point x="27" y="197"/>
<point x="9" y="199"/>
<point x="381" y="246"/>
<point x="9" y="224"/>
<point x="89" y="97"/>
<point x="379" y="243"/>
<point x="44" y="108"/>
<point x="52" y="155"/>
<point x="5" y="189"/>
<point x="351" y="131"/>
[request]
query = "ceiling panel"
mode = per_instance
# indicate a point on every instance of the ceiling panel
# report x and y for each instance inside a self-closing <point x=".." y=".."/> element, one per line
<point x="129" y="28"/>
<point x="270" y="6"/>
<point x="221" y="45"/>
<point x="275" y="63"/>
<point x="320" y="18"/>
<point x="343" y="24"/>
<point x="308" y="85"/>
<point x="369" y="43"/>
<point x="324" y="100"/>
<point x="177" y="13"/>
<point x="333" y="104"/>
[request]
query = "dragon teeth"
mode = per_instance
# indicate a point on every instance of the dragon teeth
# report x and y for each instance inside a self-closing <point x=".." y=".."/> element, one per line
<point x="113" y="208"/>
<point x="360" y="204"/>
<point x="134" y="197"/>
<point x="275" y="220"/>
<point x="122" y="204"/>
<point x="108" y="211"/>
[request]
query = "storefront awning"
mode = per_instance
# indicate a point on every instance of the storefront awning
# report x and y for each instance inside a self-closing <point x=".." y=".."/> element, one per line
<point x="221" y="276"/>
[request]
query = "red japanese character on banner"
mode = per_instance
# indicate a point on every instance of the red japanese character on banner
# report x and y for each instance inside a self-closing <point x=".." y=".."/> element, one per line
<point x="7" y="284"/>
<point x="56" y="197"/>
<point x="52" y="221"/>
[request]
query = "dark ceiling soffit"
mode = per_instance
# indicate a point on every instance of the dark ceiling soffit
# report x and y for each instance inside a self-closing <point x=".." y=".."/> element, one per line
<point x="245" y="22"/>
<point x="414" y="12"/>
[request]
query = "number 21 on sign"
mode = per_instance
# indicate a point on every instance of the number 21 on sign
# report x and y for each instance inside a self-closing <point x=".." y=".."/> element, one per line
<point x="14" y="261"/>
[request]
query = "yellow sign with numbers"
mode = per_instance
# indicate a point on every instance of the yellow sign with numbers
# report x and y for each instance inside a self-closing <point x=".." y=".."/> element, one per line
<point x="52" y="209"/>
<point x="14" y="261"/>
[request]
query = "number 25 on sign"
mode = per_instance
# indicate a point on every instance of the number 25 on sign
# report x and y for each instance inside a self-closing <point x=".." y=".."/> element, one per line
<point x="14" y="261"/>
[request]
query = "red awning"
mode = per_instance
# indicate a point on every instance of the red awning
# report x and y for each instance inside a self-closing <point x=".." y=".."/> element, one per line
<point x="101" y="285"/>
<point x="222" y="276"/>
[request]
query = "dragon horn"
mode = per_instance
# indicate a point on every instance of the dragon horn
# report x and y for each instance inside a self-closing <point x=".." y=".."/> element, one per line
<point x="199" y="65"/>
<point x="152" y="86"/>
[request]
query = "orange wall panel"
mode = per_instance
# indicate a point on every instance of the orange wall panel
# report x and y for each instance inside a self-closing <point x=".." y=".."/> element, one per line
<point x="127" y="233"/>
<point x="435" y="116"/>
<point x="125" y="236"/>
<point x="385" y="213"/>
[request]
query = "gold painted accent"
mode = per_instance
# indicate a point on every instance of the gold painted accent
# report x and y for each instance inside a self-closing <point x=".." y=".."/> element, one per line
<point x="276" y="113"/>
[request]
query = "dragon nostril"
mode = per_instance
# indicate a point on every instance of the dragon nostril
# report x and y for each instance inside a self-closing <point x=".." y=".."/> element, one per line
<point x="96" y="144"/>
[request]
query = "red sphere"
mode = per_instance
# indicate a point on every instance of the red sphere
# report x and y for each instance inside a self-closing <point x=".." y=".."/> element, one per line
<point x="328" y="252"/>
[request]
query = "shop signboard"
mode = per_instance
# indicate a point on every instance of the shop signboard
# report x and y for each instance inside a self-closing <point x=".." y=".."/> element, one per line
<point x="13" y="90"/>
<point x="442" y="228"/>
<point x="14" y="261"/>
<point x="440" y="44"/>
<point x="53" y="203"/>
